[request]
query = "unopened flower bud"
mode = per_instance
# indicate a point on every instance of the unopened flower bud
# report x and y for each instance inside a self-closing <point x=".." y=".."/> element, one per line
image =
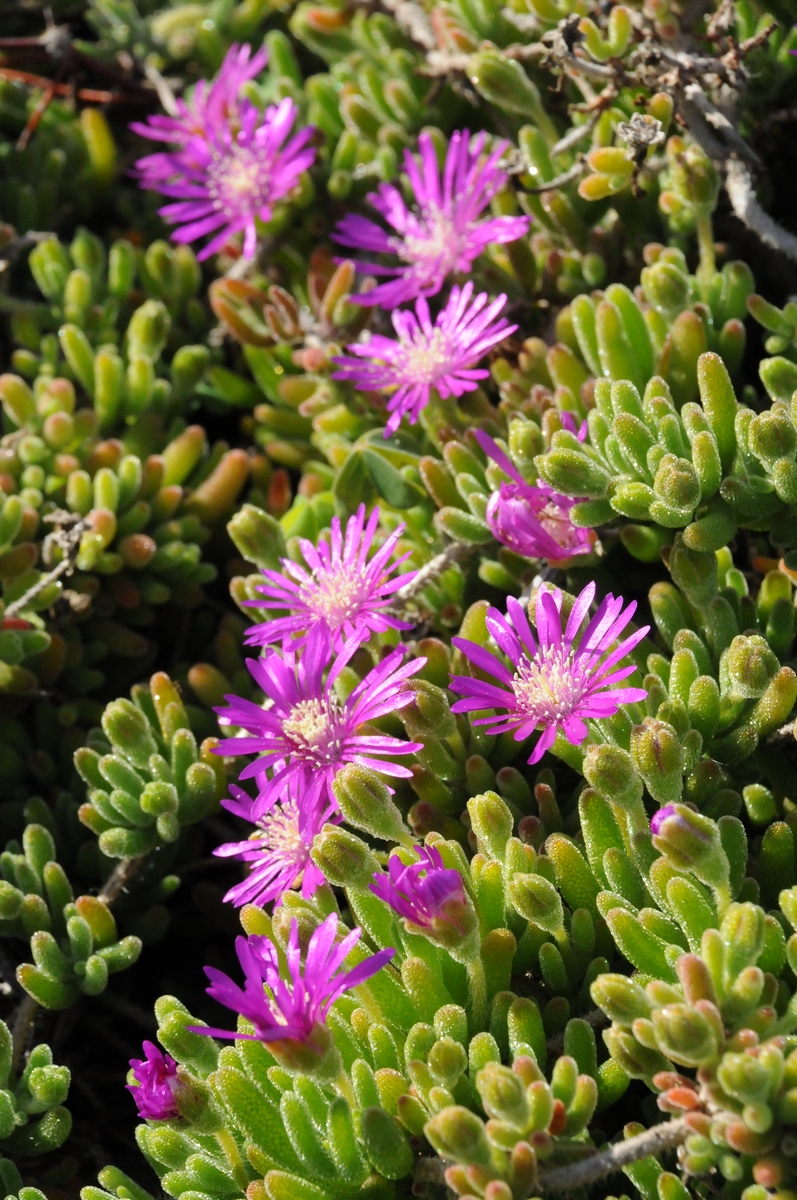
<point x="503" y="1095"/>
<point x="458" y="1134"/>
<point x="610" y="770"/>
<point x="428" y="717"/>
<point x="343" y="859"/>
<point x="659" y="757"/>
<point x="691" y="842"/>
<point x="365" y="803"/>
<point x="538" y="901"/>
<point x="751" y="665"/>
<point x="491" y="821"/>
<point x="684" y="1035"/>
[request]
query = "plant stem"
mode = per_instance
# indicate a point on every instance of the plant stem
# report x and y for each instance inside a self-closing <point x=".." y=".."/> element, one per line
<point x="708" y="264"/>
<point x="579" y="1174"/>
<point x="453" y="552"/>
<point x="477" y="987"/>
<point x="119" y="878"/>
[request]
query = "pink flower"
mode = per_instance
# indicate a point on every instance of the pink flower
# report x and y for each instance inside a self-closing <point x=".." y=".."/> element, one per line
<point x="446" y="234"/>
<point x="290" y="1010"/>
<point x="531" y="519"/>
<point x="425" y="355"/>
<point x="211" y="103"/>
<point x="230" y="175"/>
<point x="157" y="1084"/>
<point x="278" y="852"/>
<point x="344" y="592"/>
<point x="559" y="683"/>
<point x="306" y="729"/>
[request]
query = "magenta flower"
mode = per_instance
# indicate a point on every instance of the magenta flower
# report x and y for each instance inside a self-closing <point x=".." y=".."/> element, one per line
<point x="211" y="103"/>
<point x="660" y="816"/>
<point x="345" y="592"/>
<point x="442" y="355"/>
<point x="559" y="683"/>
<point x="230" y="176"/>
<point x="531" y="519"/>
<point x="421" y="891"/>
<point x="446" y="234"/>
<point x="157" y="1084"/>
<point x="278" y="852"/>
<point x="306" y="730"/>
<point x="292" y="1010"/>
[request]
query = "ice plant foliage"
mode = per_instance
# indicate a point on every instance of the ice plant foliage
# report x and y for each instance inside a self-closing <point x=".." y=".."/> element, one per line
<point x="423" y="892"/>
<point x="228" y="177"/>
<point x="557" y="681"/>
<point x="305" y="731"/>
<point x="531" y="519"/>
<point x="277" y="853"/>
<point x="346" y="591"/>
<point x="157" y="1083"/>
<point x="293" y="1008"/>
<point x="440" y="354"/>
<point x="446" y="234"/>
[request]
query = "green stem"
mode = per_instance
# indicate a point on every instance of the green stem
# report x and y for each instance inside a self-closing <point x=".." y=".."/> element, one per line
<point x="708" y="265"/>
<point x="477" y="987"/>
<point x="722" y="897"/>
<point x="343" y="1084"/>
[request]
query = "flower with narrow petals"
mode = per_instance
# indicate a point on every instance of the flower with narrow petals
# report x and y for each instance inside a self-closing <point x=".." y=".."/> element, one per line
<point x="430" y="897"/>
<point x="290" y="1014"/>
<point x="210" y="103"/>
<point x="278" y="852"/>
<point x="446" y="234"/>
<point x="425" y="355"/>
<point x="305" y="729"/>
<point x="230" y="176"/>
<point x="344" y="591"/>
<point x="531" y="519"/>
<point x="157" y="1084"/>
<point x="559" y="682"/>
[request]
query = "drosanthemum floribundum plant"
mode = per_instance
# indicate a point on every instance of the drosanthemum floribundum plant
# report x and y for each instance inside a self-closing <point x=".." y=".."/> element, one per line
<point x="289" y="1014"/>
<point x="229" y="177"/>
<point x="531" y="519"/>
<point x="440" y="354"/>
<point x="557" y="682"/>
<point x="429" y="896"/>
<point x="446" y="234"/>
<point x="157" y="1084"/>
<point x="306" y="729"/>
<point x="344" y="591"/>
<point x="278" y="852"/>
<point x="210" y="103"/>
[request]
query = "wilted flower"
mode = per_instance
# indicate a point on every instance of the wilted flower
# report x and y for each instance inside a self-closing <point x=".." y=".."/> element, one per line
<point x="290" y="1014"/>
<point x="531" y="519"/>
<point x="345" y="592"/>
<point x="210" y="103"/>
<point x="278" y="852"/>
<point x="426" y="355"/>
<point x="230" y="176"/>
<point x="558" y="684"/>
<point x="446" y="234"/>
<point x="305" y="728"/>
<point x="157" y="1084"/>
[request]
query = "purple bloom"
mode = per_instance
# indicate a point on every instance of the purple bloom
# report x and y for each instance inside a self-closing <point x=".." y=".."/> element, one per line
<point x="292" y="1010"/>
<point x="559" y="683"/>
<point x="306" y="729"/>
<point x="426" y="355"/>
<point x="344" y="591"/>
<point x="278" y="852"/>
<point x="210" y="104"/>
<point x="658" y="818"/>
<point x="230" y="176"/>
<point x="422" y="891"/>
<point x="531" y="519"/>
<point x="157" y="1084"/>
<point x="446" y="234"/>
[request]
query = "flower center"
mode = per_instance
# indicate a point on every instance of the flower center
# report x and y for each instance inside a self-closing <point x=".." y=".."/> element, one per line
<point x="336" y="594"/>
<point x="433" y="243"/>
<point x="425" y="361"/>
<point x="238" y="179"/>
<point x="313" y="728"/>
<point x="279" y="830"/>
<point x="550" y="686"/>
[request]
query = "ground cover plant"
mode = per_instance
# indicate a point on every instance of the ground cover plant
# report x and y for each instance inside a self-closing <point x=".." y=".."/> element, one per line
<point x="398" y="552"/>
